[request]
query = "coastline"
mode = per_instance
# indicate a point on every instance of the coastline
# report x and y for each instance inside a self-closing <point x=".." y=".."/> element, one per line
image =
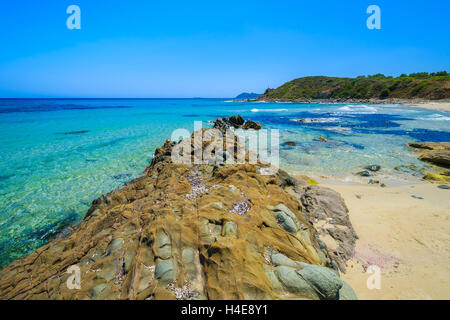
<point x="438" y="105"/>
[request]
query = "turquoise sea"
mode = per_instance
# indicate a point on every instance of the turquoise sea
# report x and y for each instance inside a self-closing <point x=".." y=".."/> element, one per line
<point x="56" y="156"/>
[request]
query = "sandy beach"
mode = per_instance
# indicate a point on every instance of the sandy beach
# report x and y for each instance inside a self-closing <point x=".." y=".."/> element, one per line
<point x="405" y="230"/>
<point x="439" y="106"/>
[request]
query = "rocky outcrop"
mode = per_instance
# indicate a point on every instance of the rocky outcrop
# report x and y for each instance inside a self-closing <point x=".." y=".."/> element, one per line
<point x="437" y="157"/>
<point x="327" y="211"/>
<point x="192" y="232"/>
<point x="430" y="145"/>
<point x="433" y="152"/>
<point x="237" y="122"/>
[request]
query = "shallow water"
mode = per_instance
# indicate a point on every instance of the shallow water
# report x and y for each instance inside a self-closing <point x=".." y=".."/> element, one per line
<point x="56" y="156"/>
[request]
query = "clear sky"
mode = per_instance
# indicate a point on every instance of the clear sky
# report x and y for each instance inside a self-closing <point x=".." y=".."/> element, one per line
<point x="214" y="48"/>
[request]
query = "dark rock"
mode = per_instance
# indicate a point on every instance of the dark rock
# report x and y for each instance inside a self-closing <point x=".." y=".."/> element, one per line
<point x="438" y="157"/>
<point x="430" y="145"/>
<point x="286" y="180"/>
<point x="76" y="132"/>
<point x="373" y="167"/>
<point x="444" y="186"/>
<point x="236" y="121"/>
<point x="122" y="176"/>
<point x="223" y="124"/>
<point x="364" y="173"/>
<point x="289" y="143"/>
<point x="252" y="125"/>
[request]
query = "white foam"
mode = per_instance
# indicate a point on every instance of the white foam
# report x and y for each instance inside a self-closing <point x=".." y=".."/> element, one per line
<point x="435" y="117"/>
<point x="360" y="109"/>
<point x="316" y="120"/>
<point x="268" y="110"/>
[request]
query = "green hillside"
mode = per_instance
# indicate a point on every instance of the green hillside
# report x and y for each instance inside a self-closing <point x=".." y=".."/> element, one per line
<point x="427" y="86"/>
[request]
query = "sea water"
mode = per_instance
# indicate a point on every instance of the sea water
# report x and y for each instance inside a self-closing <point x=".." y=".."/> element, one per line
<point x="56" y="156"/>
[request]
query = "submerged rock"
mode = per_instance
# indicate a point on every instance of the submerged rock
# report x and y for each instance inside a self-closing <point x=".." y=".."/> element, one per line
<point x="430" y="145"/>
<point x="174" y="234"/>
<point x="364" y="173"/>
<point x="289" y="143"/>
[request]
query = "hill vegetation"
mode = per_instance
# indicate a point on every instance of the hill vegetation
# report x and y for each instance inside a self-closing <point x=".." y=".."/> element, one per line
<point x="418" y="86"/>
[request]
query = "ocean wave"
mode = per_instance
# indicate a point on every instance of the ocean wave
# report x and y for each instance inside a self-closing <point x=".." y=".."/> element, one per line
<point x="316" y="120"/>
<point x="435" y="117"/>
<point x="359" y="109"/>
<point x="268" y="110"/>
<point x="339" y="129"/>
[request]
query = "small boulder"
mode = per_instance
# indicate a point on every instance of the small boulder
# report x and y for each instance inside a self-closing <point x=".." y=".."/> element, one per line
<point x="252" y="125"/>
<point x="236" y="121"/>
<point x="295" y="283"/>
<point x="364" y="173"/>
<point x="324" y="280"/>
<point x="437" y="157"/>
<point x="373" y="167"/>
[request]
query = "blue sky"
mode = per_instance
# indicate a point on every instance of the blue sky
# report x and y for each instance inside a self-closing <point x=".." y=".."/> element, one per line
<point x="163" y="48"/>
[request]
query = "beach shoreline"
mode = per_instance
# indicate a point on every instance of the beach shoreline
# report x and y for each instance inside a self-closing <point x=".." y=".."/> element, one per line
<point x="403" y="230"/>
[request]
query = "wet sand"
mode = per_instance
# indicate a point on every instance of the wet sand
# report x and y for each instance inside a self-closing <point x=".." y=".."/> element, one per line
<point x="407" y="237"/>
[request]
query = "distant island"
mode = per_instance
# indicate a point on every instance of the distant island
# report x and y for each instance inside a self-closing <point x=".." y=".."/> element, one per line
<point x="378" y="87"/>
<point x="247" y="95"/>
